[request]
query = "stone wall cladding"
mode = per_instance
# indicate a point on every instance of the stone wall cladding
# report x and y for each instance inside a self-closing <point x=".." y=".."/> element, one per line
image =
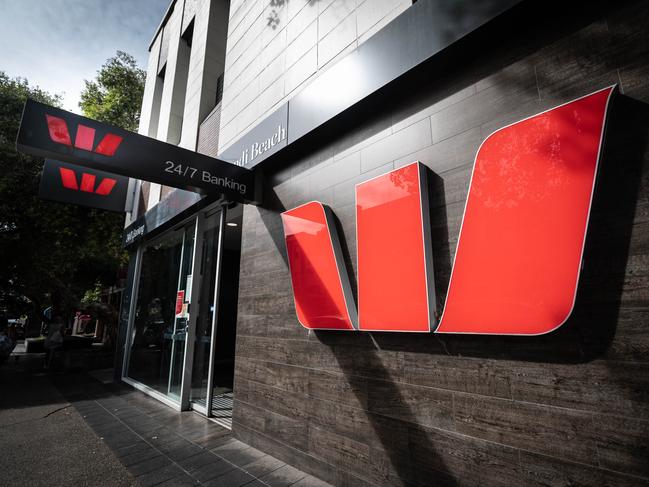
<point x="361" y="409"/>
<point x="276" y="47"/>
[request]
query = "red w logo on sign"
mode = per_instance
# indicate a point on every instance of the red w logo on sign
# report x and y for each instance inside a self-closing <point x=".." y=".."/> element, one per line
<point x="84" y="139"/>
<point x="69" y="181"/>
<point x="518" y="254"/>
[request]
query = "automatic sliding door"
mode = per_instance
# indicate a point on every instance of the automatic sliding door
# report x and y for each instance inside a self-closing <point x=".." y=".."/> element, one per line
<point x="205" y="319"/>
<point x="213" y="368"/>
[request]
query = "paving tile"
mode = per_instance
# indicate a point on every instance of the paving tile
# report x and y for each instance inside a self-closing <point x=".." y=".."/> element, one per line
<point x="283" y="476"/>
<point x="197" y="461"/>
<point x="119" y="440"/>
<point x="233" y="445"/>
<point x="149" y="465"/>
<point x="130" y="449"/>
<point x="241" y="457"/>
<point x="183" y="480"/>
<point x="213" y="440"/>
<point x="212" y="470"/>
<point x="160" y="446"/>
<point x="310" y="481"/>
<point x="256" y="483"/>
<point x="234" y="478"/>
<point x="263" y="466"/>
<point x="138" y="457"/>
<point x="182" y="450"/>
<point x="160" y="475"/>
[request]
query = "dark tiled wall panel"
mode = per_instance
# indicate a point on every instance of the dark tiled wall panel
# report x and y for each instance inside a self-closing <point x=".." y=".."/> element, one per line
<point x="398" y="409"/>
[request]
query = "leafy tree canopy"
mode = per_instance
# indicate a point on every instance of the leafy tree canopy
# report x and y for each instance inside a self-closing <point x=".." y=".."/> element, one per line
<point x="116" y="94"/>
<point x="53" y="253"/>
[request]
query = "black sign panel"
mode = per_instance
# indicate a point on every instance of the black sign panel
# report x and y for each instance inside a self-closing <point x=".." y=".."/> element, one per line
<point x="69" y="183"/>
<point x="51" y="132"/>
<point x="174" y="204"/>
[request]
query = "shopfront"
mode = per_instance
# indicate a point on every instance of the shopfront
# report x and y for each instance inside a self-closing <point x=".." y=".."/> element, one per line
<point x="440" y="277"/>
<point x="182" y="325"/>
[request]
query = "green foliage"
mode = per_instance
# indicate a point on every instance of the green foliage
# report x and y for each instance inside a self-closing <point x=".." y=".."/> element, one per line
<point x="116" y="95"/>
<point x="52" y="253"/>
<point x="92" y="295"/>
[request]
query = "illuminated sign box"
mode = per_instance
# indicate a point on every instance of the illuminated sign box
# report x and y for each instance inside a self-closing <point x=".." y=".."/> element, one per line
<point x="69" y="183"/>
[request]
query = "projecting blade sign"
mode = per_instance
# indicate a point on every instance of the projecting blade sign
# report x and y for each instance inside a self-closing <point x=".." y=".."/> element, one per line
<point x="51" y="132"/>
<point x="69" y="183"/>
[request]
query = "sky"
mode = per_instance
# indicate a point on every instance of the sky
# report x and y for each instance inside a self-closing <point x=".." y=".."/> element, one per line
<point x="56" y="44"/>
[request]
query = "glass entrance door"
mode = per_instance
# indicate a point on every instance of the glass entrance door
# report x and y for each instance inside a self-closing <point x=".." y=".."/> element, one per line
<point x="157" y="341"/>
<point x="213" y="366"/>
<point x="205" y="320"/>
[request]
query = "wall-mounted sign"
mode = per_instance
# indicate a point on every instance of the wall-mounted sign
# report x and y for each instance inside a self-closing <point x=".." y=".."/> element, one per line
<point x="261" y="142"/>
<point x="520" y="247"/>
<point x="69" y="183"/>
<point x="52" y="132"/>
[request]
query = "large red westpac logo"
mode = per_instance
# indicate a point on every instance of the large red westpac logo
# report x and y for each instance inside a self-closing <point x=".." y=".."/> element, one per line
<point x="84" y="138"/>
<point x="519" y="251"/>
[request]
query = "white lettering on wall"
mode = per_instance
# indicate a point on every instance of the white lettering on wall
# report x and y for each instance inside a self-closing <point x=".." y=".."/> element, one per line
<point x="258" y="148"/>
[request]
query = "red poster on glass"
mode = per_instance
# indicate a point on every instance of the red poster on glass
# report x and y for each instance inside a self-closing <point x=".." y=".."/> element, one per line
<point x="180" y="298"/>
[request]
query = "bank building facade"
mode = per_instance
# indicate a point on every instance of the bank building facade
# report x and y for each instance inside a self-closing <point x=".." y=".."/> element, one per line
<point x="441" y="277"/>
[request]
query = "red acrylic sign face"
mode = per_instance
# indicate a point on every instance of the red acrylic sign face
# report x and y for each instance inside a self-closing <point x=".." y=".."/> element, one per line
<point x="320" y="284"/>
<point x="69" y="181"/>
<point x="84" y="139"/>
<point x="386" y="275"/>
<point x="520" y="247"/>
<point x="519" y="252"/>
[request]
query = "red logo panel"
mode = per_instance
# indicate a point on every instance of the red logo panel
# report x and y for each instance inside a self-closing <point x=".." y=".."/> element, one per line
<point x="69" y="181"/>
<point x="519" y="251"/>
<point x="520" y="247"/>
<point x="321" y="289"/>
<point x="394" y="255"/>
<point x="84" y="139"/>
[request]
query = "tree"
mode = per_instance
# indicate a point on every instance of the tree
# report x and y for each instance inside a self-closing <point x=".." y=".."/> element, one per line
<point x="51" y="254"/>
<point x="115" y="96"/>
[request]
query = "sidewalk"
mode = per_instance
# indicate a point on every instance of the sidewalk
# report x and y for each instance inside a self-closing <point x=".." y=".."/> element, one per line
<point x="72" y="429"/>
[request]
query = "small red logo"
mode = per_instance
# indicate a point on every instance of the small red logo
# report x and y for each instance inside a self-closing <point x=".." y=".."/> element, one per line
<point x="69" y="181"/>
<point x="84" y="139"/>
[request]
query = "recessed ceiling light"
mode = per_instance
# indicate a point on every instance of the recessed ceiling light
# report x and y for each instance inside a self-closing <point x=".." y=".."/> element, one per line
<point x="231" y="224"/>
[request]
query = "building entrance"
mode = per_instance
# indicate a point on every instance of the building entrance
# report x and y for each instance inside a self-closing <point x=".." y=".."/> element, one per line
<point x="213" y="361"/>
<point x="182" y="330"/>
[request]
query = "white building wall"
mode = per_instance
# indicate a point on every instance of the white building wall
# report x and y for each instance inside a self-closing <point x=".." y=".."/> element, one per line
<point x="275" y="48"/>
<point x="206" y="64"/>
<point x="174" y="106"/>
<point x="149" y="114"/>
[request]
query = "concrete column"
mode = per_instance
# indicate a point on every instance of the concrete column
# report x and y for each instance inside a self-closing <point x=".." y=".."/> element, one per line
<point x="205" y="66"/>
<point x="175" y="80"/>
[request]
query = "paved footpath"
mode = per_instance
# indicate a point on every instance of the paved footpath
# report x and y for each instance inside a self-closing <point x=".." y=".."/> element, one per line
<point x="72" y="429"/>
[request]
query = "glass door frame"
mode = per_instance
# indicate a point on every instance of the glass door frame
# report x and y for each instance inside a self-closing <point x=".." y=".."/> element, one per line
<point x="188" y="357"/>
<point x="206" y="410"/>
